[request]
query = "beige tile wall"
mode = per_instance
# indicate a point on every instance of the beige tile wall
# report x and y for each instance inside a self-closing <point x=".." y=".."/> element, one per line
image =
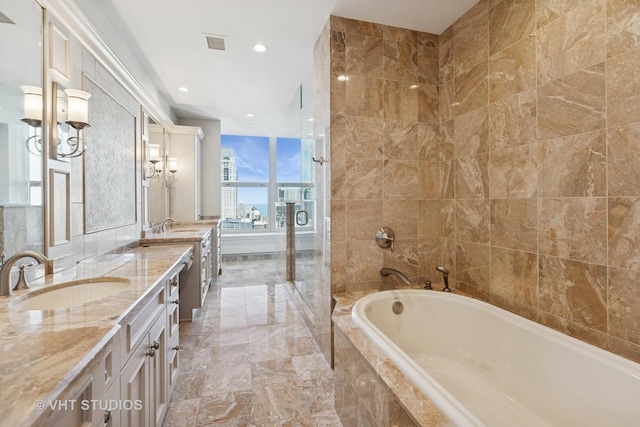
<point x="533" y="122"/>
<point x="384" y="152"/>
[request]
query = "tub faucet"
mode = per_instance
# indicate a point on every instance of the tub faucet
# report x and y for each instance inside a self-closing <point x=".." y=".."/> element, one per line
<point x="445" y="277"/>
<point x="163" y="224"/>
<point x="5" y="271"/>
<point x="391" y="271"/>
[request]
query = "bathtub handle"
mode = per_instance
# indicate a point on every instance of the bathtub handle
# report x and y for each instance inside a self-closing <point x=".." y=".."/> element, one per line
<point x="445" y="277"/>
<point x="385" y="238"/>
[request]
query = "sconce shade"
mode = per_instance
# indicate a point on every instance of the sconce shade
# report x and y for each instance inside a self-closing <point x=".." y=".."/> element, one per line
<point x="173" y="164"/>
<point x="154" y="153"/>
<point x="32" y="105"/>
<point x="77" y="108"/>
<point x="61" y="107"/>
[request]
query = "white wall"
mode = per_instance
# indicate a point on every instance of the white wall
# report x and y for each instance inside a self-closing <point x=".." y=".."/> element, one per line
<point x="98" y="16"/>
<point x="210" y="164"/>
<point x="262" y="243"/>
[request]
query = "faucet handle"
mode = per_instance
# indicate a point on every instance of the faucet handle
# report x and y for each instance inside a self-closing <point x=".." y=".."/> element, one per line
<point x="22" y="280"/>
<point x="442" y="269"/>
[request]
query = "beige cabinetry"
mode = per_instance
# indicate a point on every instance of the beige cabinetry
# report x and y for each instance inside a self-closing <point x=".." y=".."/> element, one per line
<point x="194" y="283"/>
<point x="130" y="381"/>
<point x="185" y="186"/>
<point x="173" y="331"/>
<point x="143" y="377"/>
<point x="195" y="280"/>
<point x="88" y="400"/>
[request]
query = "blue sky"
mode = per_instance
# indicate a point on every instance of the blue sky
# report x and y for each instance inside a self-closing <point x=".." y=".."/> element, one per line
<point x="252" y="158"/>
<point x="252" y="161"/>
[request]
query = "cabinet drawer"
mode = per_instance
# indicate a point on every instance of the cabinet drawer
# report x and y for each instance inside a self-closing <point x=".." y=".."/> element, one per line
<point x="173" y="287"/>
<point x="173" y="318"/>
<point x="135" y="328"/>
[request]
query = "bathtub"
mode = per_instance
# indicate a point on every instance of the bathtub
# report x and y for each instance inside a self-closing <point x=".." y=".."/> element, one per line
<point x="484" y="366"/>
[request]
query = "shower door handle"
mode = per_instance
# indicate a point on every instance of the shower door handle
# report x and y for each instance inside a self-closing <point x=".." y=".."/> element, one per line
<point x="302" y="218"/>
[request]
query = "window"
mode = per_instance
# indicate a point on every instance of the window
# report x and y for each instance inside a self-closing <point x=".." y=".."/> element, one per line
<point x="259" y="176"/>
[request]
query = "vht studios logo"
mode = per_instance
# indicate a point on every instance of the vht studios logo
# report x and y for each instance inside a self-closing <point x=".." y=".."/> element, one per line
<point x="89" y="404"/>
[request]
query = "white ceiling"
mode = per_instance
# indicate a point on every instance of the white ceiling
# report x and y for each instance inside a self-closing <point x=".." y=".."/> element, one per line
<point x="168" y="37"/>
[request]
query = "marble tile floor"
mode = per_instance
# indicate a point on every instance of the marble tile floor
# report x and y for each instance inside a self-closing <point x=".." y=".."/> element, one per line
<point x="248" y="359"/>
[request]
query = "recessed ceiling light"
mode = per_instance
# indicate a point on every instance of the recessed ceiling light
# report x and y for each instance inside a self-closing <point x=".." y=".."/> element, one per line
<point x="251" y="125"/>
<point x="259" y="47"/>
<point x="183" y="89"/>
<point x="343" y="78"/>
<point x="413" y="87"/>
<point x="250" y="115"/>
<point x="311" y="119"/>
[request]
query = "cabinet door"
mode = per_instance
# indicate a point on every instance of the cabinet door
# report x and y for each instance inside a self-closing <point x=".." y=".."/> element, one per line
<point x="112" y="414"/>
<point x="173" y="365"/>
<point x="70" y="412"/>
<point x="134" y="387"/>
<point x="158" y="387"/>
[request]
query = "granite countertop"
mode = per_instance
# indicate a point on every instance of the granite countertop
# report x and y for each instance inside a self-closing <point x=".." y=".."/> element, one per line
<point x="41" y="352"/>
<point x="180" y="232"/>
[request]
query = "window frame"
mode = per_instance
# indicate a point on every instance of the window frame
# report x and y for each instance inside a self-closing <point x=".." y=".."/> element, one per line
<point x="272" y="194"/>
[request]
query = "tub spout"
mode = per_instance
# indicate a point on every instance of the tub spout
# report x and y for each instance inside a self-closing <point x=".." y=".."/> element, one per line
<point x="445" y="277"/>
<point x="391" y="271"/>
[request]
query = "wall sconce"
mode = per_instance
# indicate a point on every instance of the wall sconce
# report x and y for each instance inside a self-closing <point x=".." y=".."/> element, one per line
<point x="173" y="168"/>
<point x="155" y="160"/>
<point x="77" y="118"/>
<point x="72" y="108"/>
<point x="158" y="164"/>
<point x="33" y="116"/>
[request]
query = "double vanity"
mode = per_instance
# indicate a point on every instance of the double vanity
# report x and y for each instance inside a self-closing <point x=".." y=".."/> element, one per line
<point x="98" y="343"/>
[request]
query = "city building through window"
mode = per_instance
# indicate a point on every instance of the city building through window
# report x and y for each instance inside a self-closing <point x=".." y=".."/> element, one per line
<point x="259" y="175"/>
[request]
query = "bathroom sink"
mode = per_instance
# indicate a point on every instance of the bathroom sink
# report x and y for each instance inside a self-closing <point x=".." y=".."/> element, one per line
<point x="183" y="230"/>
<point x="69" y="294"/>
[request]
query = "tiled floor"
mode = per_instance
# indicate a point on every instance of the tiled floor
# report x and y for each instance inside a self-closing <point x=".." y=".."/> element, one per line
<point x="249" y="360"/>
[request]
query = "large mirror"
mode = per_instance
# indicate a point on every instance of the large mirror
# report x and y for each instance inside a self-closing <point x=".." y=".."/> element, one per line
<point x="21" y="107"/>
<point x="158" y="200"/>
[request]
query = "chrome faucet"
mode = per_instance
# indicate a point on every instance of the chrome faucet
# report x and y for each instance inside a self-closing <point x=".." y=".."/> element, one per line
<point x="5" y="271"/>
<point x="445" y="277"/>
<point x="163" y="224"/>
<point x="391" y="271"/>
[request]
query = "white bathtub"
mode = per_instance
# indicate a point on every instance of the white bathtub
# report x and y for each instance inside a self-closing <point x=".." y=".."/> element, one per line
<point x="484" y="366"/>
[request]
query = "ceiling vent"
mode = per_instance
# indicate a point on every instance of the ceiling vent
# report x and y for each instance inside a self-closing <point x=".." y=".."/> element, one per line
<point x="216" y="42"/>
<point x="4" y="19"/>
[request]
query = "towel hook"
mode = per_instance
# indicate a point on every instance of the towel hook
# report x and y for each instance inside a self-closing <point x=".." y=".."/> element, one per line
<point x="320" y="160"/>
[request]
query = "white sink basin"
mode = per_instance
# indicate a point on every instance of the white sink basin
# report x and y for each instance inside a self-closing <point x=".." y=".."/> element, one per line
<point x="71" y="294"/>
<point x="183" y="230"/>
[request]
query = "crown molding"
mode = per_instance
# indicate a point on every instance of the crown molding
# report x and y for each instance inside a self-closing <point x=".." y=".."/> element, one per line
<point x="73" y="19"/>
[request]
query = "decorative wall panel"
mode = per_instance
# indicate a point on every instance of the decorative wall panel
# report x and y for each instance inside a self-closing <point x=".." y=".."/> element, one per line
<point x="60" y="212"/>
<point x="109" y="162"/>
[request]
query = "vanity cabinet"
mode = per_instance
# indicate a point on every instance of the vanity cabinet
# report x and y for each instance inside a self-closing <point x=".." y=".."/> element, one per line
<point x="185" y="190"/>
<point x="194" y="283"/>
<point x="149" y="351"/>
<point x="173" y="331"/>
<point x="143" y="379"/>
<point x="196" y="280"/>
<point x="86" y="402"/>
